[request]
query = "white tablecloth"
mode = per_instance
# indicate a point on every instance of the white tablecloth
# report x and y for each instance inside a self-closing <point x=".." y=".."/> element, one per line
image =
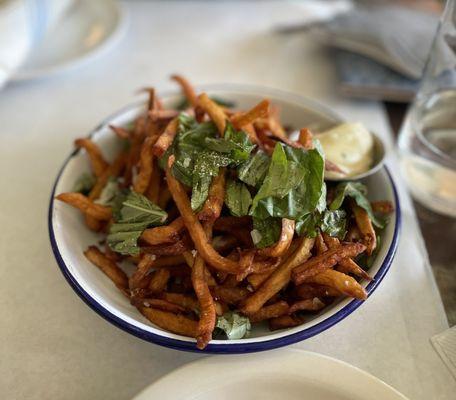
<point x="51" y="344"/>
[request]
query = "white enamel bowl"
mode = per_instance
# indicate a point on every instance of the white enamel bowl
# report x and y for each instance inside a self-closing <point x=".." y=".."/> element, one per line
<point x="69" y="237"/>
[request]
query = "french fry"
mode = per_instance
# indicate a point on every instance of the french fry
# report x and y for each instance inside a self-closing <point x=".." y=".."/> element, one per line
<point x="85" y="205"/>
<point x="159" y="280"/>
<point x="213" y="205"/>
<point x="171" y="322"/>
<point x="187" y="89"/>
<point x="229" y="295"/>
<point x="153" y="190"/>
<point x="139" y="279"/>
<point x="164" y="234"/>
<point x="214" y="111"/>
<point x="194" y="227"/>
<point x="279" y="278"/>
<point x="160" y="304"/>
<point x="271" y="311"/>
<point x="314" y="304"/>
<point x="207" y="317"/>
<point x="347" y="265"/>
<point x="305" y="138"/>
<point x="109" y="267"/>
<point x="169" y="249"/>
<point x="122" y="133"/>
<point x="162" y="115"/>
<point x="284" y="242"/>
<point x="325" y="261"/>
<point x="187" y="302"/>
<point x="93" y="224"/>
<point x="98" y="163"/>
<point x="383" y="207"/>
<point x="166" y="138"/>
<point x="261" y="110"/>
<point x="146" y="165"/>
<point x="164" y="197"/>
<point x="341" y="282"/>
<point x="266" y="143"/>
<point x="283" y="322"/>
<point x="320" y="244"/>
<point x="251" y="132"/>
<point x="256" y="279"/>
<point x="308" y="291"/>
<point x="369" y="238"/>
<point x="353" y="234"/>
<point x="168" y="261"/>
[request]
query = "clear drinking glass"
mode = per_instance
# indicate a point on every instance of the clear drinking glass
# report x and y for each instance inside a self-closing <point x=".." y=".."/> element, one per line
<point x="427" y="141"/>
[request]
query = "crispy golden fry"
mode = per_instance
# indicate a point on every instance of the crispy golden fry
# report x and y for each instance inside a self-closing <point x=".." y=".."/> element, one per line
<point x="214" y="111"/>
<point x="169" y="249"/>
<point x="146" y="165"/>
<point x="255" y="280"/>
<point x="271" y="311"/>
<point x="109" y="267"/>
<point x="162" y="115"/>
<point x="171" y="322"/>
<point x="347" y="265"/>
<point x="194" y="227"/>
<point x="257" y="266"/>
<point x="286" y="237"/>
<point x="224" y="243"/>
<point x="261" y="110"/>
<point x="305" y="138"/>
<point x="279" y="278"/>
<point x="93" y="224"/>
<point x="159" y="280"/>
<point x="314" y="304"/>
<point x="152" y="101"/>
<point x="164" y="234"/>
<point x="207" y="317"/>
<point x="353" y="234"/>
<point x="187" y="302"/>
<point x="168" y="261"/>
<point x="383" y="207"/>
<point x="82" y="203"/>
<point x="213" y="205"/>
<point x="341" y="282"/>
<point x="135" y="149"/>
<point x="187" y="89"/>
<point x="166" y="138"/>
<point x="98" y="163"/>
<point x="228" y="295"/>
<point x="320" y="244"/>
<point x="159" y="304"/>
<point x="153" y="190"/>
<point x="285" y="321"/>
<point x="251" y="132"/>
<point x="114" y="170"/>
<point x="308" y="291"/>
<point x="326" y="260"/>
<point x="266" y="143"/>
<point x="122" y="133"/>
<point x="369" y="238"/>
<point x="140" y="279"/>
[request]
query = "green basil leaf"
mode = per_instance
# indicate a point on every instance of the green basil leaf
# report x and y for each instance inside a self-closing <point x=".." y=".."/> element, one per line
<point x="109" y="193"/>
<point x="133" y="213"/>
<point x="334" y="222"/>
<point x="308" y="225"/>
<point x="206" y="167"/>
<point x="84" y="183"/>
<point x="237" y="198"/>
<point x="358" y="192"/>
<point x="254" y="170"/>
<point x="266" y="232"/>
<point x="234" y="325"/>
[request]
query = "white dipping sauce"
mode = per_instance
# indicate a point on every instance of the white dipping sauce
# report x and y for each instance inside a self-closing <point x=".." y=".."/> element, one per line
<point x="350" y="146"/>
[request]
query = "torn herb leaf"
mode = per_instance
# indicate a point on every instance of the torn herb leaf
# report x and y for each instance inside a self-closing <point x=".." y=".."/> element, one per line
<point x="234" y="325"/>
<point x="237" y="198"/>
<point x="266" y="232"/>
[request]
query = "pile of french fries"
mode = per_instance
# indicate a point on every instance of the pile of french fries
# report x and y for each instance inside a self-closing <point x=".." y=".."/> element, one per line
<point x="203" y="264"/>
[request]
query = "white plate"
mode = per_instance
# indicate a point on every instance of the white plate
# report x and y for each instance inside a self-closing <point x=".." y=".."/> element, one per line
<point x="88" y="28"/>
<point x="290" y="374"/>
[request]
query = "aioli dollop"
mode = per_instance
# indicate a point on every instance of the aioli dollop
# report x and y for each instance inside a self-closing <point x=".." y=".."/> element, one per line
<point x="350" y="146"/>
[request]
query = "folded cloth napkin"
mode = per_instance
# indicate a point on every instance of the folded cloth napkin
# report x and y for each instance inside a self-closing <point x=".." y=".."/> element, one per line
<point x="445" y="344"/>
<point x="394" y="36"/>
<point x="22" y="24"/>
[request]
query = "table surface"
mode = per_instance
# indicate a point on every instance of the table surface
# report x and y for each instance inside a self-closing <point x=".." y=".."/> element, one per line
<point x="439" y="232"/>
<point x="52" y="345"/>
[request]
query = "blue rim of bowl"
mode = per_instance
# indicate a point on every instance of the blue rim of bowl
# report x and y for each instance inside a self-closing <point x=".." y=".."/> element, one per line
<point x="250" y="347"/>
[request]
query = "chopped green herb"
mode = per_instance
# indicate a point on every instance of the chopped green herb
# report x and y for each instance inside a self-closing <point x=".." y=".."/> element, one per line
<point x="234" y="325"/>
<point x="237" y="198"/>
<point x="254" y="169"/>
<point x="266" y="232"/>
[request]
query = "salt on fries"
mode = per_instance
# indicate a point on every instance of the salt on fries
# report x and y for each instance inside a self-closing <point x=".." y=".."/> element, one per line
<point x="196" y="265"/>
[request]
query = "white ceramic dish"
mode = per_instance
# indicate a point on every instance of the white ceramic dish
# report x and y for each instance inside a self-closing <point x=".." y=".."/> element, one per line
<point x="290" y="374"/>
<point x="69" y="236"/>
<point x="86" y="30"/>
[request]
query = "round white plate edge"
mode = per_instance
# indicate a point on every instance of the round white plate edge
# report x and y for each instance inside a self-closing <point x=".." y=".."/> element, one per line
<point x="333" y="373"/>
<point x="75" y="62"/>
